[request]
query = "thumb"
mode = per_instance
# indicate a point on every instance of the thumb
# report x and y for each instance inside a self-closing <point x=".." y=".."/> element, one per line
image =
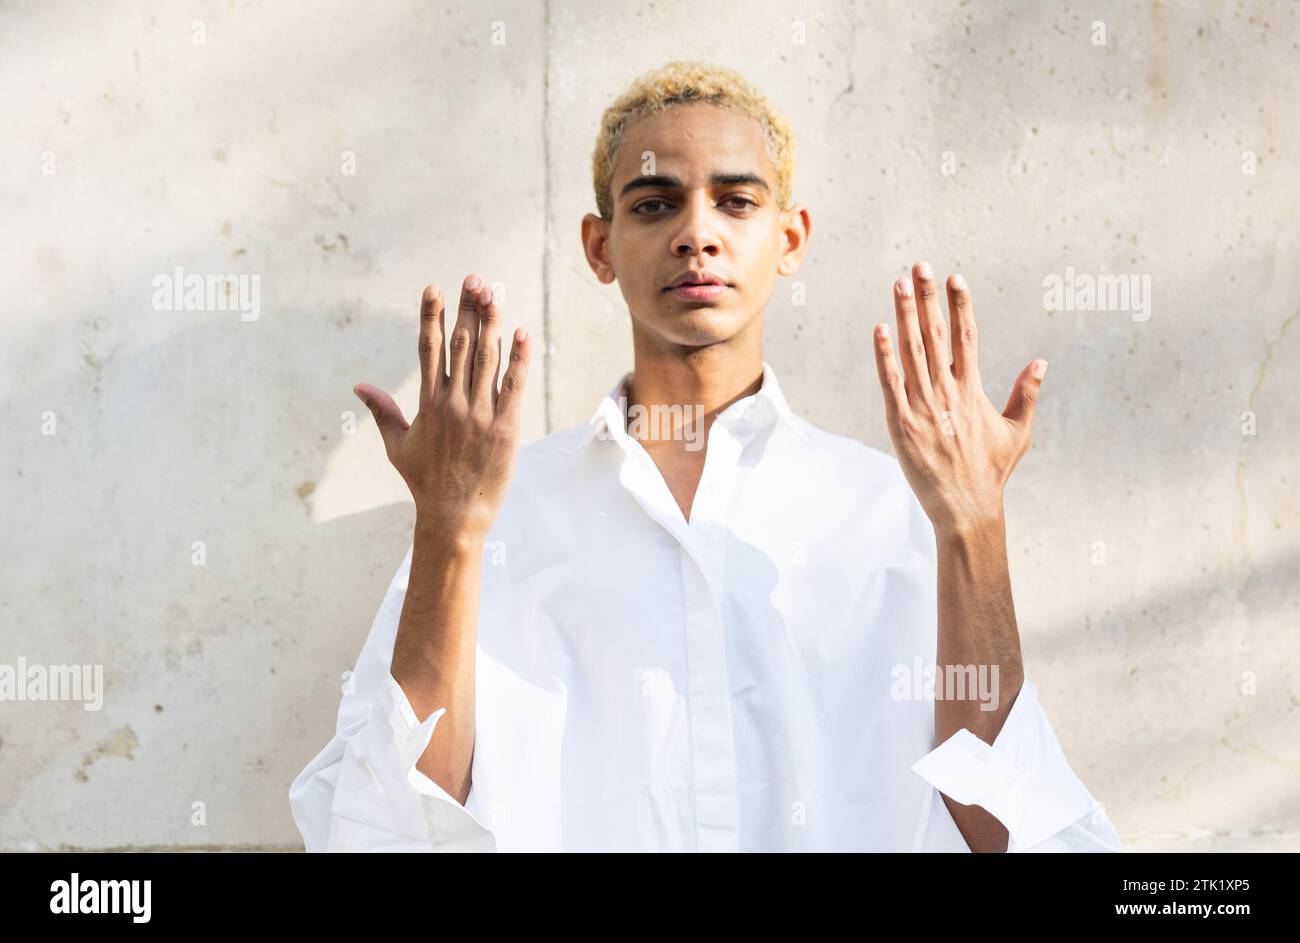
<point x="388" y="416"/>
<point x="1024" y="395"/>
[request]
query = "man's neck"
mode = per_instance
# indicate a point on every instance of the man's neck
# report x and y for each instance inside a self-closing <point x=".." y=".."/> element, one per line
<point x="695" y="378"/>
<point x="673" y="397"/>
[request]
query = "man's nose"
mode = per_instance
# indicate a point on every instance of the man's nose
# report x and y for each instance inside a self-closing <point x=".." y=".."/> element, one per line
<point x="697" y="233"/>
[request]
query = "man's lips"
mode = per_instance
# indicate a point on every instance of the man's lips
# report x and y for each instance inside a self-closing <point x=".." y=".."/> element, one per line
<point x="701" y="285"/>
<point x="697" y="291"/>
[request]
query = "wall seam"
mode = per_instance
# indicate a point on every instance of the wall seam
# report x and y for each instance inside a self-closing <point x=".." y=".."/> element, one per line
<point x="547" y="423"/>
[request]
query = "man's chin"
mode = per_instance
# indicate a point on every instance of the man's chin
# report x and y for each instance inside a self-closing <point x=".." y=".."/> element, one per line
<point x="703" y="327"/>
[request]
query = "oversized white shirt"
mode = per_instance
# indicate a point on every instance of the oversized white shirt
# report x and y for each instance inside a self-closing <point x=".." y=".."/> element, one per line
<point x="730" y="683"/>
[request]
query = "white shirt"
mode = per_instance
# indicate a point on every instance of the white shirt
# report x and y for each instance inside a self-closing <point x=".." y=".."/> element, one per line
<point x="727" y="684"/>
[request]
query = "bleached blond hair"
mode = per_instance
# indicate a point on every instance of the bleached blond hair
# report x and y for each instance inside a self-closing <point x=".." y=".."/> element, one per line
<point x="682" y="83"/>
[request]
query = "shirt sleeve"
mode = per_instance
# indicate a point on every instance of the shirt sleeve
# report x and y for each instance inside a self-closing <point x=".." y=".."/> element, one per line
<point x="362" y="792"/>
<point x="1022" y="779"/>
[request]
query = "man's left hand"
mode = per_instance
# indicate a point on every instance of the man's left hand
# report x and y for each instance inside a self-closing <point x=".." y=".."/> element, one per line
<point x="955" y="448"/>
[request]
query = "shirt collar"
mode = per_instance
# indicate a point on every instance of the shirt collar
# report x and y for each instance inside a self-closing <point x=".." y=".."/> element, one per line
<point x="745" y="416"/>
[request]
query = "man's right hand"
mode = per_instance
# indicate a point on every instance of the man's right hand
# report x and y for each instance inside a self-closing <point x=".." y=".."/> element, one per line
<point x="457" y="456"/>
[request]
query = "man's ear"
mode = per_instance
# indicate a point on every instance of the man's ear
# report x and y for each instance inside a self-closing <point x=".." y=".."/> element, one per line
<point x="595" y="242"/>
<point x="796" y="226"/>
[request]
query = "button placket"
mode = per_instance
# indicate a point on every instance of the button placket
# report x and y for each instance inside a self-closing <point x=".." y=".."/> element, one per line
<point x="708" y="702"/>
<point x="712" y="750"/>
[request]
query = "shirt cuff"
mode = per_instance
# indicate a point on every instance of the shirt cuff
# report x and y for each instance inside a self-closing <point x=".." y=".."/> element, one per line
<point x="382" y="802"/>
<point x="1022" y="779"/>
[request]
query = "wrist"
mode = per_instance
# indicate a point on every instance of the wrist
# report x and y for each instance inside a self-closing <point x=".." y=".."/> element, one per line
<point x="448" y="537"/>
<point x="972" y="528"/>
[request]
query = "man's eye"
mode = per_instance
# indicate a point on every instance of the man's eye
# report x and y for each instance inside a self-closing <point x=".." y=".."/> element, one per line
<point x="641" y="206"/>
<point x="743" y="201"/>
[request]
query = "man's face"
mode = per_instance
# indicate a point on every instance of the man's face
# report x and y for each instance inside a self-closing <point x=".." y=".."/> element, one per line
<point x="695" y="193"/>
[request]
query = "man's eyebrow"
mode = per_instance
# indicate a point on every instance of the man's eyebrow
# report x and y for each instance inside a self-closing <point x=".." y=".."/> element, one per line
<point x="666" y="182"/>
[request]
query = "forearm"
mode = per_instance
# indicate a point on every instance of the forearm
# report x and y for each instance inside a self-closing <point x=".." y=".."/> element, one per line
<point x="433" y="654"/>
<point x="977" y="629"/>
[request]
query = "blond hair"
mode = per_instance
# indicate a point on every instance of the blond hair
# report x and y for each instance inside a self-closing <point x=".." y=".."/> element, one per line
<point x="681" y="83"/>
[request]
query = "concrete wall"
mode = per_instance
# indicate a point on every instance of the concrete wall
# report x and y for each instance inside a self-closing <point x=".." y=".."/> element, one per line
<point x="1154" y="543"/>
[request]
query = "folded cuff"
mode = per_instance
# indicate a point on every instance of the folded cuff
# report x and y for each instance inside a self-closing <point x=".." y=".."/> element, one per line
<point x="1022" y="778"/>
<point x="380" y="792"/>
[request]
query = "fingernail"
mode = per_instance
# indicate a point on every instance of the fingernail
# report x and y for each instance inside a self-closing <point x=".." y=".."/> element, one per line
<point x="883" y="331"/>
<point x="959" y="283"/>
<point x="1040" y="369"/>
<point x="521" y="335"/>
<point x="905" y="287"/>
<point x="923" y="270"/>
<point x="472" y="282"/>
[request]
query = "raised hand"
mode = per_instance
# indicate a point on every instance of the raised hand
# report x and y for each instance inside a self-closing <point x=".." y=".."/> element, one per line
<point x="955" y="448"/>
<point x="457" y="456"/>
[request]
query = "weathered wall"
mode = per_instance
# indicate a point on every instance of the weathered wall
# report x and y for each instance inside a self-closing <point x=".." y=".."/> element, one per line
<point x="1154" y="544"/>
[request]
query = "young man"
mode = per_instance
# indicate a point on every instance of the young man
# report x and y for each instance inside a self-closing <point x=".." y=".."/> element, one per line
<point x="714" y="631"/>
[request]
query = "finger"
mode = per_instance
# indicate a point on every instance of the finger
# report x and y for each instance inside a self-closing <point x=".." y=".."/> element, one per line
<point x="891" y="380"/>
<point x="1024" y="395"/>
<point x="487" y="351"/>
<point x="496" y="378"/>
<point x="463" y="337"/>
<point x="965" y="347"/>
<point x="433" y="357"/>
<point x="388" y="415"/>
<point x="516" y="376"/>
<point x="911" y="349"/>
<point x="934" y="331"/>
